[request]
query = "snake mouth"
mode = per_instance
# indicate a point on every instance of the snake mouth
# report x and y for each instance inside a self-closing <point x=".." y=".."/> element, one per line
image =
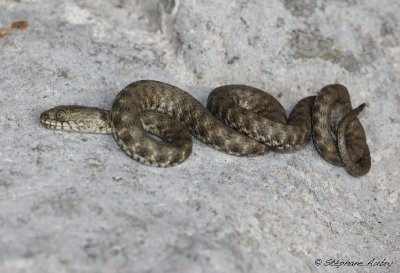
<point x="50" y="123"/>
<point x="53" y="124"/>
<point x="49" y="126"/>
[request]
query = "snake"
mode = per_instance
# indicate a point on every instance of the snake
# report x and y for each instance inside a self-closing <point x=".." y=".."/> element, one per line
<point x="153" y="123"/>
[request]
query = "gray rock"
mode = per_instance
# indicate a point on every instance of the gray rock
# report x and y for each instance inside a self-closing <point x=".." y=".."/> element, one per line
<point x="76" y="203"/>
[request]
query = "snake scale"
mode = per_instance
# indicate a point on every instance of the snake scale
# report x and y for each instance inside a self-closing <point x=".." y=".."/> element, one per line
<point x="239" y="120"/>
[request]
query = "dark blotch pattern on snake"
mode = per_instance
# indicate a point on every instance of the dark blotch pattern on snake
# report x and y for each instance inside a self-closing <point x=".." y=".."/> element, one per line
<point x="240" y="120"/>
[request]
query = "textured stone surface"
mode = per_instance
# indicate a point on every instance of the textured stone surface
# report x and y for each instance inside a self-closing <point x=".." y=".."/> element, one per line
<point x="77" y="203"/>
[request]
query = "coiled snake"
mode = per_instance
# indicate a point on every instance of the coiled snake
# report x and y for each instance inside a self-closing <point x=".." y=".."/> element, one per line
<point x="240" y="120"/>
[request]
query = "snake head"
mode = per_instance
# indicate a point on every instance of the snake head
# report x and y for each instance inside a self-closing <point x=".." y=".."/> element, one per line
<point x="77" y="119"/>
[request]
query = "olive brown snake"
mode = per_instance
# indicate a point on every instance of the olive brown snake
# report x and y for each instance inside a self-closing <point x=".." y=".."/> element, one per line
<point x="239" y="120"/>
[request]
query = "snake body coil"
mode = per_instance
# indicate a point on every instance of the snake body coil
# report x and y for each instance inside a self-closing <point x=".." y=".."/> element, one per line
<point x="240" y="120"/>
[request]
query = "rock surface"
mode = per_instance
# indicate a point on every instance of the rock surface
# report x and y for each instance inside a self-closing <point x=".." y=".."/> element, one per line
<point x="76" y="203"/>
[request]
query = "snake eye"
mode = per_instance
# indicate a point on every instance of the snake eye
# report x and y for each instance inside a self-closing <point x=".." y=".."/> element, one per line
<point x="60" y="115"/>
